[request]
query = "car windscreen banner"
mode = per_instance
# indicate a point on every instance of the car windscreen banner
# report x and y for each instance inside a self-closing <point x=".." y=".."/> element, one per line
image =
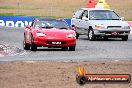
<point x="21" y="21"/>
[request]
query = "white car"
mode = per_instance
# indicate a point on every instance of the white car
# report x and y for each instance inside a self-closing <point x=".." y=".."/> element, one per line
<point x="99" y="23"/>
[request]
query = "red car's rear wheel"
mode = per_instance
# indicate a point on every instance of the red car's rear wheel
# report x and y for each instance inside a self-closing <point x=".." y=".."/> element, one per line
<point x="25" y="45"/>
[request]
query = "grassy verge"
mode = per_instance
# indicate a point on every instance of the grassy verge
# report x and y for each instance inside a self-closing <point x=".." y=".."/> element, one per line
<point x="11" y="14"/>
<point x="7" y="7"/>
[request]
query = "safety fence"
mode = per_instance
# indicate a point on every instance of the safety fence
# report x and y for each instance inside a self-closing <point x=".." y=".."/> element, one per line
<point x="22" y="21"/>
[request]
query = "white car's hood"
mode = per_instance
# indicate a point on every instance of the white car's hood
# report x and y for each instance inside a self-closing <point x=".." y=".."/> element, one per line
<point x="109" y="22"/>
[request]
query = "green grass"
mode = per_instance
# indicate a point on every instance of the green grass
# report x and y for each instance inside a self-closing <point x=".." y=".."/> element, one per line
<point x="11" y="14"/>
<point x="7" y="7"/>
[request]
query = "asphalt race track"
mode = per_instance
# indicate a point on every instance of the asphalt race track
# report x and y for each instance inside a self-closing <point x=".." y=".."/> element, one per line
<point x="113" y="49"/>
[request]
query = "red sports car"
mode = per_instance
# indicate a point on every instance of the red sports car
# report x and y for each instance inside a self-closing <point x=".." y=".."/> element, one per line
<point x="48" y="32"/>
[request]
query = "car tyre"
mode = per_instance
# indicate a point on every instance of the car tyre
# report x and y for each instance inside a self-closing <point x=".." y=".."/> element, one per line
<point x="125" y="38"/>
<point x="77" y="35"/>
<point x="64" y="48"/>
<point x="25" y="45"/>
<point x="72" y="48"/>
<point x="33" y="46"/>
<point x="91" y="35"/>
<point x="106" y="38"/>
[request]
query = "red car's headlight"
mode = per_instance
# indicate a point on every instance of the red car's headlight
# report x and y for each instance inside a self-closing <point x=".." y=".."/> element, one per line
<point x="71" y="35"/>
<point x="40" y="34"/>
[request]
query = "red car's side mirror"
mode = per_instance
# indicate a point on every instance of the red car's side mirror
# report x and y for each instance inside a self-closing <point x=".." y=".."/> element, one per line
<point x="72" y="28"/>
<point x="28" y="27"/>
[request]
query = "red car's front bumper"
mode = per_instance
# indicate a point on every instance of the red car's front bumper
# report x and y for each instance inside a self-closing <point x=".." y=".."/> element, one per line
<point x="47" y="42"/>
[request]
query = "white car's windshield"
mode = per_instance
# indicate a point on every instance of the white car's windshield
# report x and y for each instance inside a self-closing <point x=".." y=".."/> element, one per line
<point x="103" y="15"/>
<point x="51" y="24"/>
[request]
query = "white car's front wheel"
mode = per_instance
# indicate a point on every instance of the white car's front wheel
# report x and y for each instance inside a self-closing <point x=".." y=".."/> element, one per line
<point x="124" y="38"/>
<point x="91" y="35"/>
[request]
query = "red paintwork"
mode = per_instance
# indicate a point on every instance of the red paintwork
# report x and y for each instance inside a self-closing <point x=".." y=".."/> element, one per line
<point x="52" y="35"/>
<point x="130" y="23"/>
<point x="90" y="4"/>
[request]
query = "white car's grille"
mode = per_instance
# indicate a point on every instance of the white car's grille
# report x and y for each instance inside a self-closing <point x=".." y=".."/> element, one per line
<point x="115" y="27"/>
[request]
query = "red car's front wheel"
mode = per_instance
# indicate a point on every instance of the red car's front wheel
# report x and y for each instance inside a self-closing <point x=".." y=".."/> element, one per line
<point x="33" y="46"/>
<point x="64" y="48"/>
<point x="72" y="48"/>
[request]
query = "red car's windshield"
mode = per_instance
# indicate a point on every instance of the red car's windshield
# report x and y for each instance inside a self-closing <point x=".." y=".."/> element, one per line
<point x="51" y="24"/>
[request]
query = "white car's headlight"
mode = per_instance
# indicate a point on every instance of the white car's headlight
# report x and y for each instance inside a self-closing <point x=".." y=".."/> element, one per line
<point x="71" y="35"/>
<point x="40" y="34"/>
<point x="126" y="27"/>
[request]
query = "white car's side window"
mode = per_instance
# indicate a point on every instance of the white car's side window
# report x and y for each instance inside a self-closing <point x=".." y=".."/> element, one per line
<point x="85" y="14"/>
<point x="78" y="13"/>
